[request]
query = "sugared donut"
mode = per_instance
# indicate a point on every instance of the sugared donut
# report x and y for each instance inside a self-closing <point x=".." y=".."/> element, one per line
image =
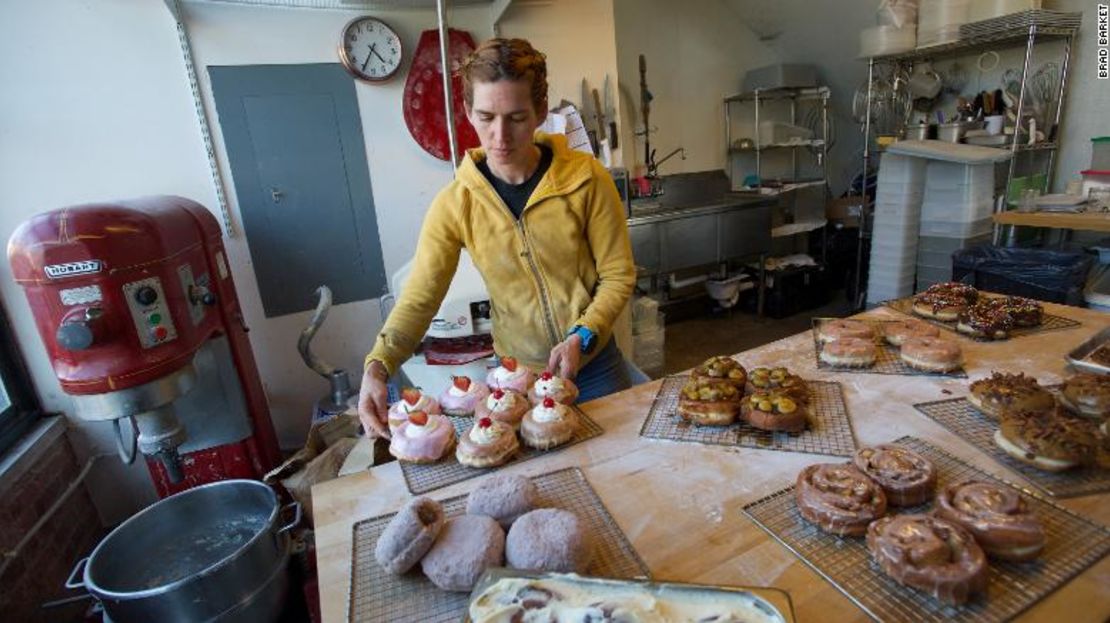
<point x="1087" y="395"/>
<point x="851" y="352"/>
<point x="466" y="547"/>
<point x="932" y="354"/>
<point x="1009" y="392"/>
<point x="833" y="330"/>
<point x="409" y="535"/>
<point x="907" y="478"/>
<point x="929" y="554"/>
<point x="549" y="539"/>
<point x="996" y="515"/>
<point x="838" y="498"/>
<point x="504" y="497"/>
<point x="897" y="332"/>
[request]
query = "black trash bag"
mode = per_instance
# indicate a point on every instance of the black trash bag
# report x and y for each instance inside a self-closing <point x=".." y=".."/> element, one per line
<point x="1053" y="276"/>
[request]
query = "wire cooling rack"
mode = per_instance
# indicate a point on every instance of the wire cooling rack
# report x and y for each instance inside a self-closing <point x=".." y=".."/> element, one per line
<point x="422" y="478"/>
<point x="1072" y="544"/>
<point x="887" y="357"/>
<point x="379" y="596"/>
<point x="1050" y="322"/>
<point x="959" y="416"/>
<point x="829" y="431"/>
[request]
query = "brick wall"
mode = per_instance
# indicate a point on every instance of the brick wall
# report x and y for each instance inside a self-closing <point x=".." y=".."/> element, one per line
<point x="37" y="575"/>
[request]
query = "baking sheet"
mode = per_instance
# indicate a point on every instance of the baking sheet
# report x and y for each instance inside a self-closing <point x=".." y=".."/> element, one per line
<point x="959" y="416"/>
<point x="830" y="431"/>
<point x="1073" y="543"/>
<point x="1082" y="356"/>
<point x="887" y="357"/>
<point x="422" y="478"/>
<point x="1050" y="322"/>
<point x="412" y="598"/>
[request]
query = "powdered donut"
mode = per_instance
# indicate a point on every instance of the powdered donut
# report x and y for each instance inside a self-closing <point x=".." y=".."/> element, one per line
<point x="504" y="497"/>
<point x="896" y="333"/>
<point x="409" y="535"/>
<point x="549" y="539"/>
<point x="466" y="547"/>
<point x="932" y="354"/>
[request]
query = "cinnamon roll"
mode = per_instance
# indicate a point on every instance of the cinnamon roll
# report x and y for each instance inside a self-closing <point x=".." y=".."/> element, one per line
<point x="930" y="554"/>
<point x="838" y="498"/>
<point x="907" y="478"/>
<point x="996" y="515"/>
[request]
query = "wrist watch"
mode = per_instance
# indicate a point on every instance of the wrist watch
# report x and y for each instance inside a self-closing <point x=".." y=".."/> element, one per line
<point x="587" y="337"/>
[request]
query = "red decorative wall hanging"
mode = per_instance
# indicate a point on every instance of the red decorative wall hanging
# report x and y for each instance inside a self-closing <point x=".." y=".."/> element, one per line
<point x="423" y="99"/>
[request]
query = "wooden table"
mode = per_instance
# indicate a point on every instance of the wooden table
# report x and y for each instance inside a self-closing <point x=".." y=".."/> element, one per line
<point x="680" y="503"/>
<point x="1085" y="221"/>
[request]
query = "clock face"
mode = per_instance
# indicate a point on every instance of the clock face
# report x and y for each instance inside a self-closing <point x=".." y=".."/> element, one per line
<point x="370" y="49"/>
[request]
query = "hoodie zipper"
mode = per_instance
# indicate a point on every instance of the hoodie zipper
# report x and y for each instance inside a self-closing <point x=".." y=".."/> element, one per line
<point x="549" y="320"/>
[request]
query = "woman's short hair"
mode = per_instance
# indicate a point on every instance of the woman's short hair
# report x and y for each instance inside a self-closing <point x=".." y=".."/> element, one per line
<point x="506" y="59"/>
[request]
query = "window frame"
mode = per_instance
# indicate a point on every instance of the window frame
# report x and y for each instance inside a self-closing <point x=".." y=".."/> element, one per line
<point x="24" y="409"/>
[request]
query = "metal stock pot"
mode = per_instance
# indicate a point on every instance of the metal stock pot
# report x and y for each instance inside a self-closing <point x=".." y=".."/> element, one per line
<point x="211" y="553"/>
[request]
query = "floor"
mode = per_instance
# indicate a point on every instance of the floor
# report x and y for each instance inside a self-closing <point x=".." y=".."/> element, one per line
<point x="690" y="342"/>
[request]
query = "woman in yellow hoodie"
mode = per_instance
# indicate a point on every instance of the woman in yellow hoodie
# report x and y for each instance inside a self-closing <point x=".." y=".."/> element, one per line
<point x="544" y="226"/>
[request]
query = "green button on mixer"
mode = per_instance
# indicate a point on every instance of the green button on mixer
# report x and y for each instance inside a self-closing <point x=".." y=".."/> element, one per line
<point x="155" y="318"/>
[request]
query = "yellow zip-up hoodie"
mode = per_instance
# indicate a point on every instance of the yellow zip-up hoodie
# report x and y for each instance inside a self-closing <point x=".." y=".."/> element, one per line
<point x="566" y="262"/>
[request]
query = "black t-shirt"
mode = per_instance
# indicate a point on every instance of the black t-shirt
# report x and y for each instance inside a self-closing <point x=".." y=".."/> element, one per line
<point x="516" y="195"/>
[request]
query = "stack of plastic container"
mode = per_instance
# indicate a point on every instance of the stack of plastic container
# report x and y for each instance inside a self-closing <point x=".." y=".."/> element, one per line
<point x="648" y="336"/>
<point x="939" y="21"/>
<point x="894" y="242"/>
<point x="955" y="214"/>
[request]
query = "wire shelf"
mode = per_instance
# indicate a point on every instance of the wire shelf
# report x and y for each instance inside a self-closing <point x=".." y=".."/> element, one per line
<point x="1072" y="544"/>
<point x="829" y="431"/>
<point x="887" y="357"/>
<point x="960" y="417"/>
<point x="1050" y="323"/>
<point x="379" y="596"/>
<point x="422" y="478"/>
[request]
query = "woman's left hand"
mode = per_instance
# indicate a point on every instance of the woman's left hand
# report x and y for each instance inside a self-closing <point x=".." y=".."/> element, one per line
<point x="565" y="356"/>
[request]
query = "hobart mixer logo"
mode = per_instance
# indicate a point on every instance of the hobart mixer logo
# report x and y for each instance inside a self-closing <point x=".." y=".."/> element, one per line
<point x="70" y="269"/>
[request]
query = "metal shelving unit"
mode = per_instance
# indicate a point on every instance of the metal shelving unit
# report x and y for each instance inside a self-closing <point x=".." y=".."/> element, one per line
<point x="1027" y="29"/>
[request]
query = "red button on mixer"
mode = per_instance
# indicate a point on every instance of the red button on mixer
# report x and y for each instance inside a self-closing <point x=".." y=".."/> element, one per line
<point x="159" y="333"/>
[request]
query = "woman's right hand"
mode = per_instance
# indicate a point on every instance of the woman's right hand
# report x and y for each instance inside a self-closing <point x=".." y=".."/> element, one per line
<point x="373" y="401"/>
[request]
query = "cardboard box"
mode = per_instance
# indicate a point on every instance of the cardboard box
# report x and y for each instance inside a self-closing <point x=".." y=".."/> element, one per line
<point x="845" y="211"/>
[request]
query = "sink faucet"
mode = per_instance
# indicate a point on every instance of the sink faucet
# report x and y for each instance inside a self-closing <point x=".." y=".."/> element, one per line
<point x="653" y="165"/>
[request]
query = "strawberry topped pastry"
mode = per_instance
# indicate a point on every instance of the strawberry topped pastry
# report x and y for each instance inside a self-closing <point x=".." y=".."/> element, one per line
<point x="553" y="386"/>
<point x="487" y="444"/>
<point x="548" y="424"/>
<point x="412" y="399"/>
<point x="422" y="438"/>
<point x="463" y="396"/>
<point x="510" y="375"/>
<point x="504" y="405"/>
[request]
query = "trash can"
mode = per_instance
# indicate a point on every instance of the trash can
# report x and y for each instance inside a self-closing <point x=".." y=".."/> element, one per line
<point x="1053" y="276"/>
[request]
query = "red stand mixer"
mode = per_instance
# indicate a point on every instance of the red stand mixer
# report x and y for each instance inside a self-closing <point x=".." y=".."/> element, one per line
<point x="138" y="311"/>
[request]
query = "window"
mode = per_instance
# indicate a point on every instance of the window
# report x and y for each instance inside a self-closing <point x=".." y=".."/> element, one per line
<point x="18" y="405"/>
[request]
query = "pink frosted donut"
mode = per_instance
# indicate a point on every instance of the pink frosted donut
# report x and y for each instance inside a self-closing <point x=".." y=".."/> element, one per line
<point x="504" y="405"/>
<point x="896" y="333"/>
<point x="852" y="352"/>
<point x="424" y="438"/>
<point x="412" y="399"/>
<point x="463" y="396"/>
<point x="510" y="375"/>
<point x="932" y="354"/>
<point x="555" y="387"/>
<point x="833" y="330"/>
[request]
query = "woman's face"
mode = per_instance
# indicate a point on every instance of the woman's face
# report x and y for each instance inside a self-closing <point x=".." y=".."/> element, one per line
<point x="505" y="120"/>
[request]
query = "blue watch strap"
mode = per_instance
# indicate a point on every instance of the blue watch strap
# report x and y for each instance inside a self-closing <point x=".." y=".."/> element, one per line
<point x="586" y="336"/>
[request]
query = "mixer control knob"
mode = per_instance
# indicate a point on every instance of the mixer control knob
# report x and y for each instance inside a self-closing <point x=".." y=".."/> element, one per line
<point x="146" y="295"/>
<point x="159" y="333"/>
<point x="74" y="336"/>
<point x="201" y="294"/>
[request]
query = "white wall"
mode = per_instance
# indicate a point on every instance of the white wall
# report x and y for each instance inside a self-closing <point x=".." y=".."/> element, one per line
<point x="697" y="52"/>
<point x="101" y="109"/>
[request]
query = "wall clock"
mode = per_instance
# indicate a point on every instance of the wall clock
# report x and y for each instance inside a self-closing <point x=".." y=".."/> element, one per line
<point x="370" y="49"/>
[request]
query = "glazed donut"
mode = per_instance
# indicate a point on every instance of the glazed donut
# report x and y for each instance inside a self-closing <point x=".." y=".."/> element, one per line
<point x="423" y="438"/>
<point x="548" y="424"/>
<point x="549" y="539"/>
<point x="504" y="497"/>
<point x="510" y="375"/>
<point x="996" y="515"/>
<point x="549" y="385"/>
<point x="488" y="443"/>
<point x="929" y="554"/>
<point x="409" y="535"/>
<point x="907" y="478"/>
<point x="932" y="354"/>
<point x="723" y="368"/>
<point x="838" y="498"/>
<point x="850" y="352"/>
<point x="1012" y="392"/>
<point x="897" y="332"/>
<point x="833" y="330"/>
<point x="707" y="401"/>
<point x="986" y="320"/>
<point x="504" y="405"/>
<point x="1087" y="395"/>
<point x="1053" y="440"/>
<point x="776" y="410"/>
<point x="412" y="399"/>
<point x="466" y="547"/>
<point x="463" y="396"/>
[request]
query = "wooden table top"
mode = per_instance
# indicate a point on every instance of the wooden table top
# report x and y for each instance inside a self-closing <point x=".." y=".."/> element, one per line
<point x="1085" y="221"/>
<point x="680" y="503"/>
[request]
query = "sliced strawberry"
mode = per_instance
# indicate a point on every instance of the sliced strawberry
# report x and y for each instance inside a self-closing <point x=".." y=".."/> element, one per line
<point x="461" y="382"/>
<point x="485" y="422"/>
<point x="498" y="393"/>
<point x="419" y="418"/>
<point x="547" y="376"/>
<point x="549" y="403"/>
<point x="410" y="395"/>
<point x="509" y="363"/>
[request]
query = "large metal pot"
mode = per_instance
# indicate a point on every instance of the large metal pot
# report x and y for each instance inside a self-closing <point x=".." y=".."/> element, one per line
<point x="212" y="553"/>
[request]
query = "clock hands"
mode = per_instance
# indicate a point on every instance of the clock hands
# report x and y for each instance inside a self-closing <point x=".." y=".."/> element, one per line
<point x="366" y="61"/>
<point x="375" y="52"/>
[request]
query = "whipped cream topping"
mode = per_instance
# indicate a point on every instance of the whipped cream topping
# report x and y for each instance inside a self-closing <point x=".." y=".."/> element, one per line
<point x="415" y="431"/>
<point x="455" y="391"/>
<point x="549" y="414"/>
<point x="504" y="403"/>
<point x="424" y="404"/>
<point x="501" y="374"/>
<point x="487" y="435"/>
<point x="549" y="387"/>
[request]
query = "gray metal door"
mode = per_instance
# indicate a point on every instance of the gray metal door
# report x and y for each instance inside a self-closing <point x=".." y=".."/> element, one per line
<point x="294" y="141"/>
